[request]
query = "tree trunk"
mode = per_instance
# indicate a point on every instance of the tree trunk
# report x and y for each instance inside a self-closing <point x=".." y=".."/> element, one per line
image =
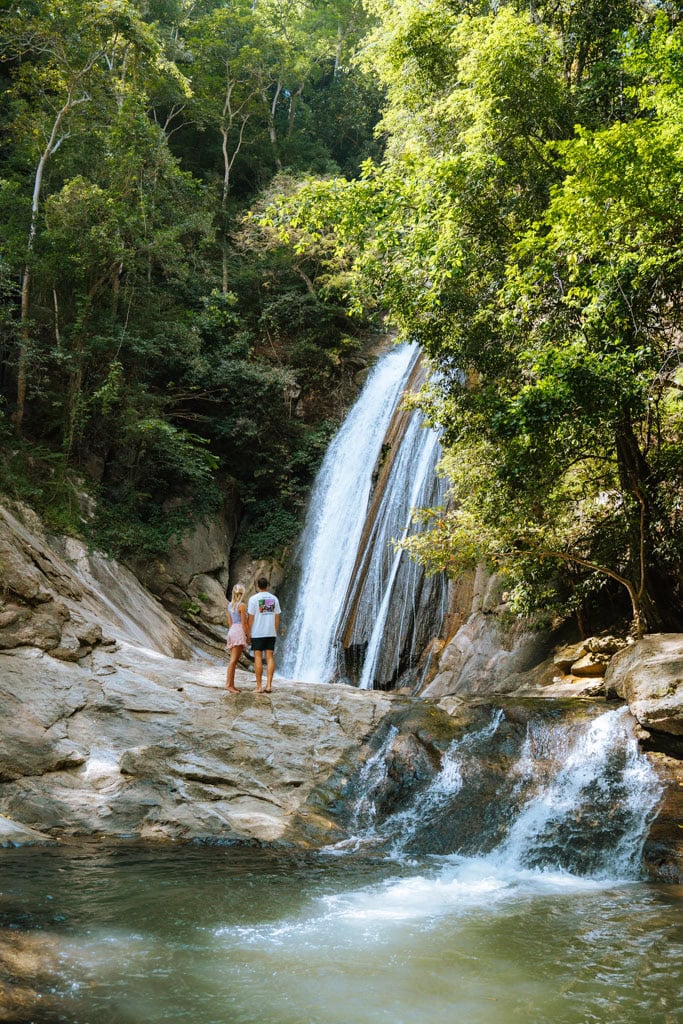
<point x="292" y="109"/>
<point x="230" y="116"/>
<point x="635" y="478"/>
<point x="24" y="336"/>
<point x="53" y="144"/>
<point x="271" y="107"/>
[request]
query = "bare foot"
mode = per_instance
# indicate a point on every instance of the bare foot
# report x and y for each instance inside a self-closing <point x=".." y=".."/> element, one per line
<point x="267" y="690"/>
<point x="232" y="689"/>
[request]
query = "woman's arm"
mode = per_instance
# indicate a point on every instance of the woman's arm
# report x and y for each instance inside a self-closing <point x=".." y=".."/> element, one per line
<point x="242" y="609"/>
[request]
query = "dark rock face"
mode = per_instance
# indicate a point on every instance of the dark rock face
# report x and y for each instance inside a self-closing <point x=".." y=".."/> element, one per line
<point x="466" y="785"/>
<point x="663" y="852"/>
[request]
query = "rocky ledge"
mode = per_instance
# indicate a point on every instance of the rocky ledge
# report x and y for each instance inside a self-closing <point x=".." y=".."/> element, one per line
<point x="135" y="744"/>
<point x="113" y="723"/>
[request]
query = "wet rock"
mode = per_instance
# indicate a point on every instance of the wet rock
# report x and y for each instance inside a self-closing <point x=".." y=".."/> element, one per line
<point x="13" y="834"/>
<point x="30" y="963"/>
<point x="663" y="852"/>
<point x="410" y="765"/>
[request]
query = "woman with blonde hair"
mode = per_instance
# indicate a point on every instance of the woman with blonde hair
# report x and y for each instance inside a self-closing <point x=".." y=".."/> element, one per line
<point x="238" y="634"/>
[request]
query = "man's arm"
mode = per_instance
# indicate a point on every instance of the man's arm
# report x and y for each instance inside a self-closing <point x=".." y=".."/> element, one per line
<point x="277" y="624"/>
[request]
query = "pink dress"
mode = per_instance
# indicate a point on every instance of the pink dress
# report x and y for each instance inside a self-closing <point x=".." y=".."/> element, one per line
<point x="236" y="637"/>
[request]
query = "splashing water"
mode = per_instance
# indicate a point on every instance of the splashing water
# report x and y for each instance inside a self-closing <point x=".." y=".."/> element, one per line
<point x="581" y="798"/>
<point x="399" y="831"/>
<point x="605" y="788"/>
<point x="335" y="520"/>
<point x="245" y="936"/>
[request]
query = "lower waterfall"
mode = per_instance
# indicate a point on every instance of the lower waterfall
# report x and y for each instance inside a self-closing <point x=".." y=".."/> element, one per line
<point x="578" y="797"/>
<point x="362" y="610"/>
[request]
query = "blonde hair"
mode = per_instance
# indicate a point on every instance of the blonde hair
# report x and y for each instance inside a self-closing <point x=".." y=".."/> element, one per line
<point x="237" y="594"/>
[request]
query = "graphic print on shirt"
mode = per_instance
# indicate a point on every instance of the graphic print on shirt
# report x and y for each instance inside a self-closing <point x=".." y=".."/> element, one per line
<point x="266" y="605"/>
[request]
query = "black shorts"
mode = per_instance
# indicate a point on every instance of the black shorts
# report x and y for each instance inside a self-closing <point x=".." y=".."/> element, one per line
<point x="263" y="643"/>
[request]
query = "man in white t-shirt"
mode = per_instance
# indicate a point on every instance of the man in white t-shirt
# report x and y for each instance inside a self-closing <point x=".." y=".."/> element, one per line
<point x="264" y="624"/>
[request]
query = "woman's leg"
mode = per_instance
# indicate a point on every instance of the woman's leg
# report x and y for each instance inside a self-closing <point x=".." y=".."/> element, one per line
<point x="234" y="658"/>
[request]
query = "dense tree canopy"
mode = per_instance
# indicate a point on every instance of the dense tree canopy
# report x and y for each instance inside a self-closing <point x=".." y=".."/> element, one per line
<point x="203" y="202"/>
<point x="526" y="228"/>
<point x="150" y="342"/>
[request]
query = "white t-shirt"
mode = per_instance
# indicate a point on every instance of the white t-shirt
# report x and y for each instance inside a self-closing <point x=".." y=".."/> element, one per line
<point x="264" y="606"/>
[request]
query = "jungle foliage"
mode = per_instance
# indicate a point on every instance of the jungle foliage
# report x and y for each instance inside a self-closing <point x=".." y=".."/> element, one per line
<point x="204" y="203"/>
<point x="526" y="227"/>
<point x="153" y="343"/>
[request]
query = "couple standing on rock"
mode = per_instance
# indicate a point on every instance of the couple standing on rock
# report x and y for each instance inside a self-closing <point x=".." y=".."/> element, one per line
<point x="257" y="623"/>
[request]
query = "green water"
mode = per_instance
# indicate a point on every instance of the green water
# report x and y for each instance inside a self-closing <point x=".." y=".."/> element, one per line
<point x="241" y="936"/>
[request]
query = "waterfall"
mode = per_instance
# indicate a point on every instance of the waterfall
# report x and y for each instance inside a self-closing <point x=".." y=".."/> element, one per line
<point x="361" y="609"/>
<point x="394" y="584"/>
<point x="579" y="798"/>
<point x="603" y="789"/>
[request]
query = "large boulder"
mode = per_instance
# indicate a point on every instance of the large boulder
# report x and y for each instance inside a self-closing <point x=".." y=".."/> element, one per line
<point x="248" y="570"/>
<point x="203" y="549"/>
<point x="649" y="676"/>
<point x="192" y="576"/>
<point x="483" y="658"/>
<point x="209" y="597"/>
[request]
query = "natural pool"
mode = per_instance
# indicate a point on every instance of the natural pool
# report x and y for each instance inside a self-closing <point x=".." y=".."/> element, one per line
<point x="234" y="935"/>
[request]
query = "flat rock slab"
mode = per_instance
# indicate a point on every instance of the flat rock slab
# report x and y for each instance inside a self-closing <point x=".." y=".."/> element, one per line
<point x="130" y="743"/>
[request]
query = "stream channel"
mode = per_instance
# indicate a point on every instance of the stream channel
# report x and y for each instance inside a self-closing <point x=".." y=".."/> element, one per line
<point x="241" y="936"/>
<point x="539" y="916"/>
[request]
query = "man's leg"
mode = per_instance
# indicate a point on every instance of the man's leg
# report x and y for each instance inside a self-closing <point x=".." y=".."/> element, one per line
<point x="258" y="669"/>
<point x="270" y="668"/>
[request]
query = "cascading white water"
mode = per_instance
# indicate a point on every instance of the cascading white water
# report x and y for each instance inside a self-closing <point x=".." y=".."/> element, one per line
<point x="372" y="776"/>
<point x="412" y="483"/>
<point x="603" y="784"/>
<point x="581" y="800"/>
<point x="400" y="828"/>
<point x="336" y="518"/>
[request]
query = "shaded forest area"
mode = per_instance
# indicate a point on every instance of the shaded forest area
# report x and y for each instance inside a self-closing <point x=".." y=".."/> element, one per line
<point x="156" y="343"/>
<point x="205" y="205"/>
